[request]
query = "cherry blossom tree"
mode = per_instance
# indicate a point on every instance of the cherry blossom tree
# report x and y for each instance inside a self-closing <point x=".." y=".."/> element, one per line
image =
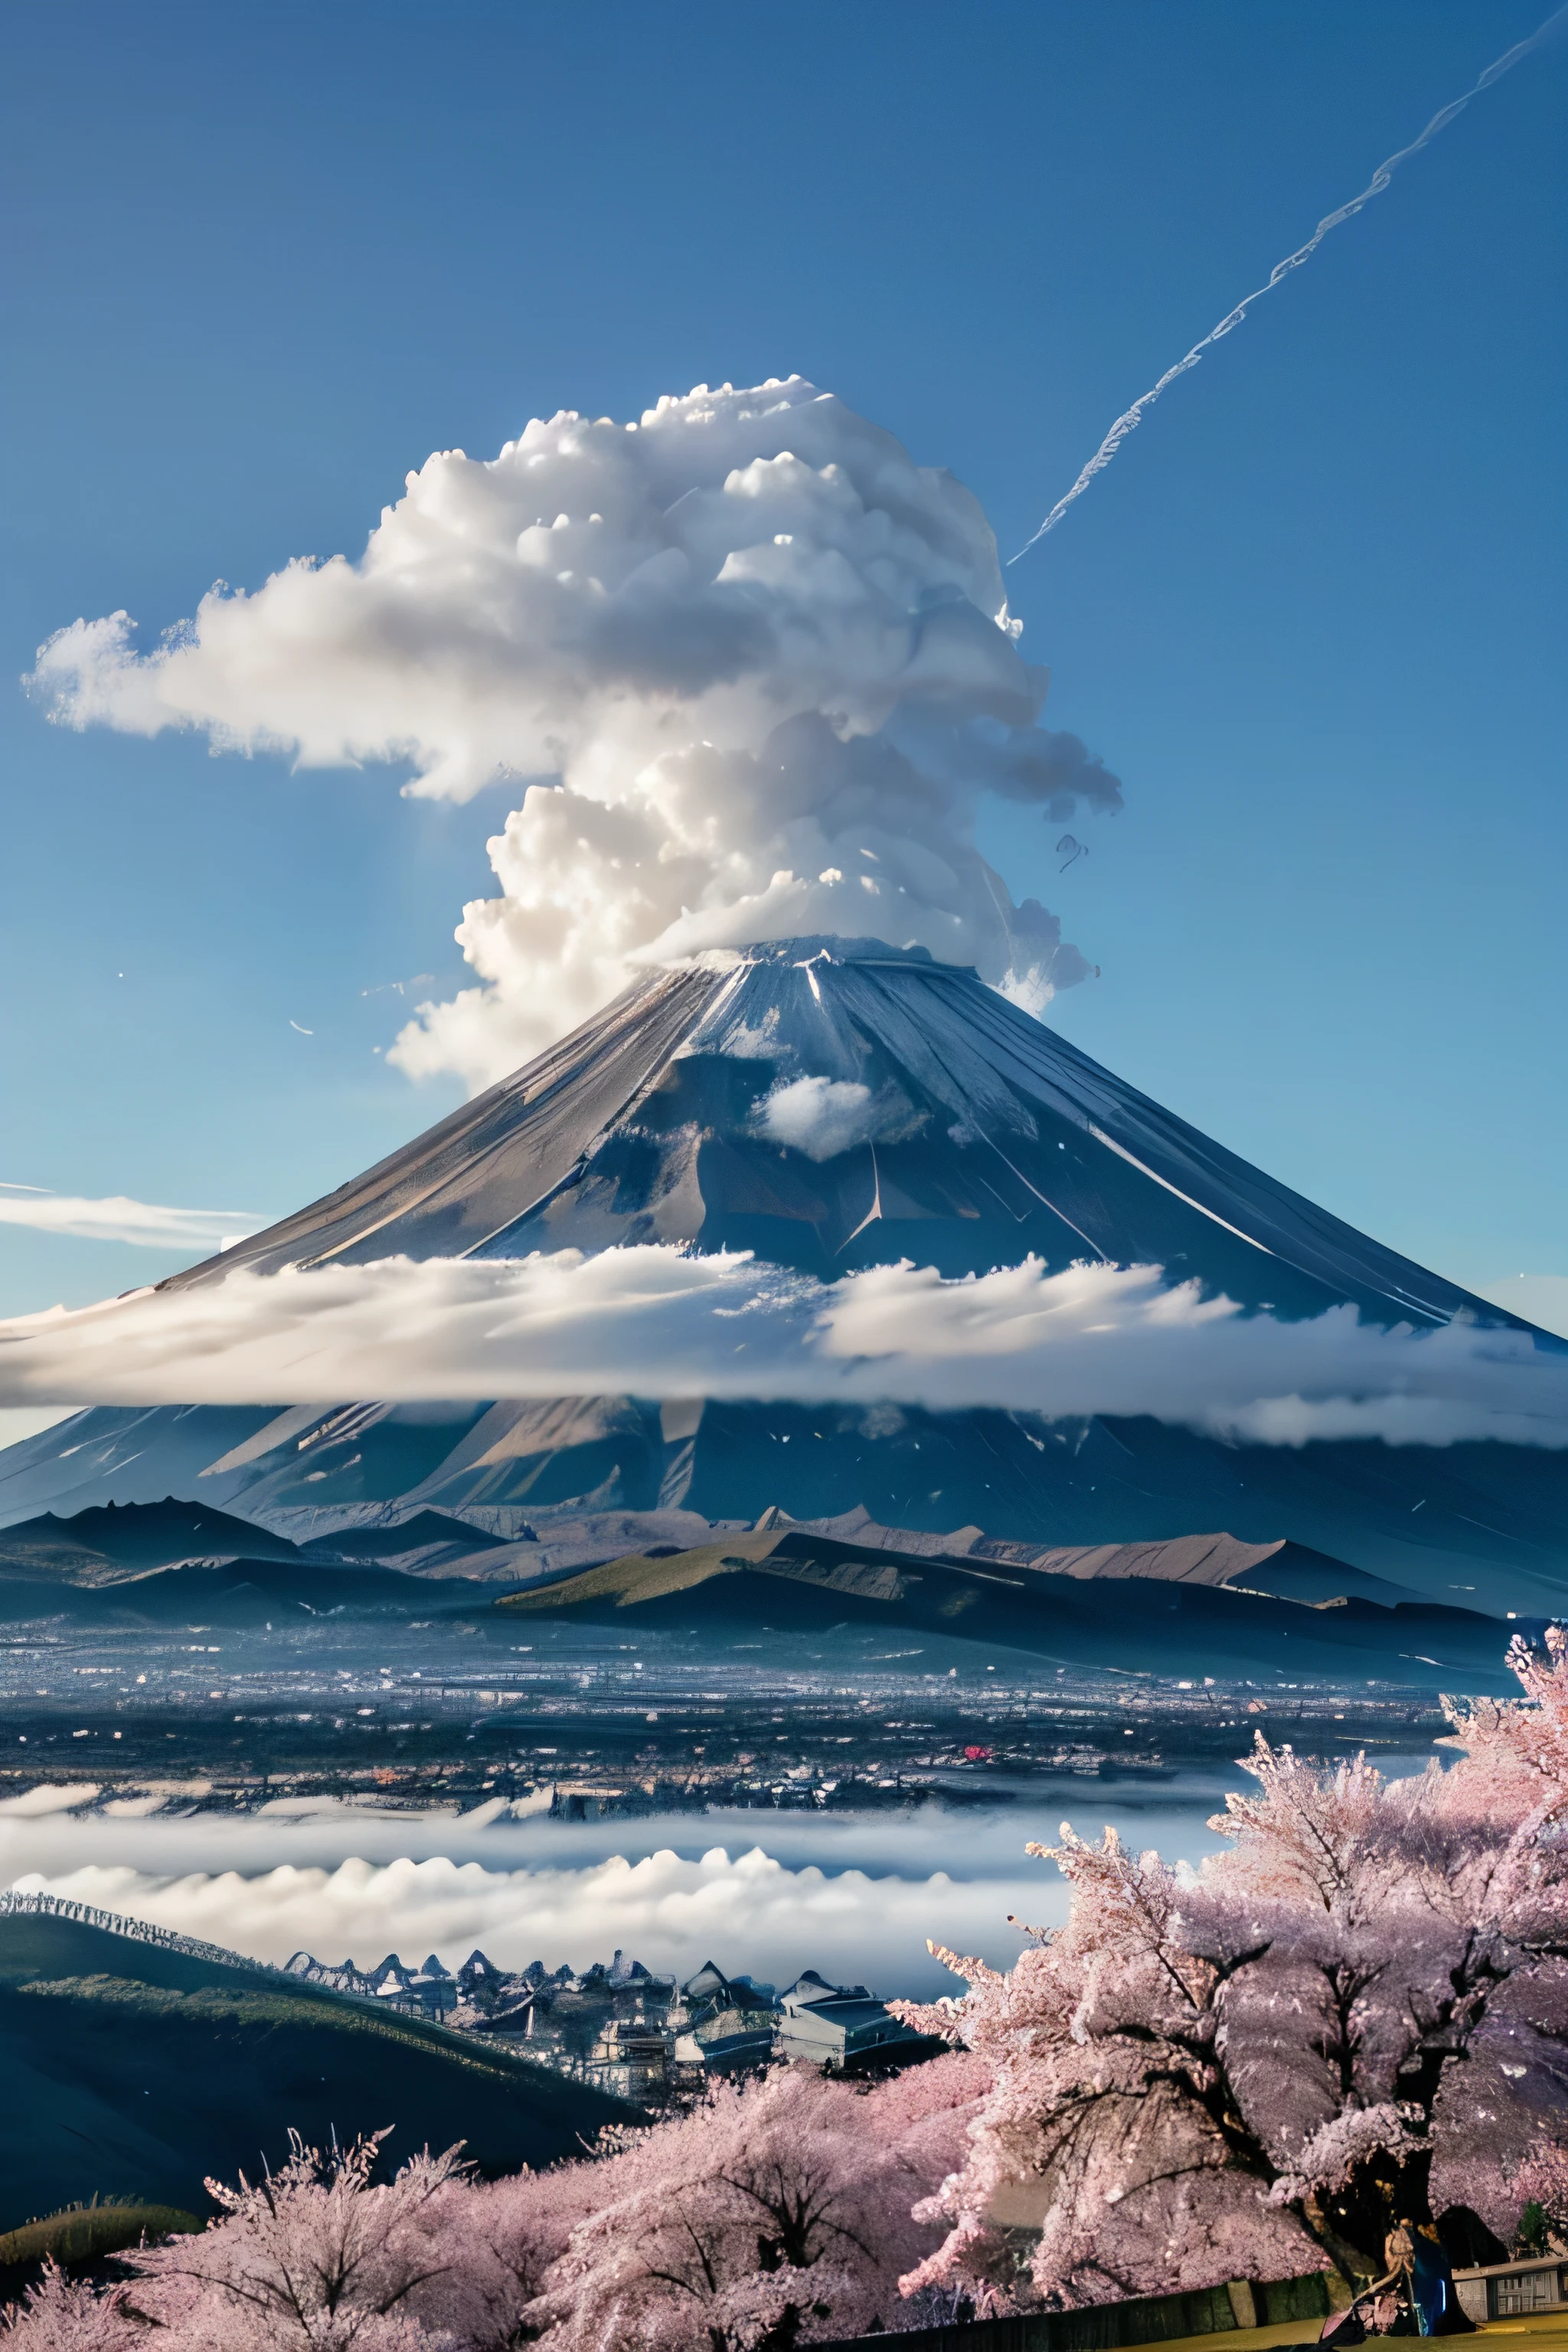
<point x="1353" y="2018"/>
<point x="774" y="2213"/>
<point x="315" y="2257"/>
<point x="768" y="2214"/>
<point x="499" y="2241"/>
<point x="1352" y="2021"/>
<point x="1524" y="1746"/>
<point x="61" y="2314"/>
<point x="1541" y="2186"/>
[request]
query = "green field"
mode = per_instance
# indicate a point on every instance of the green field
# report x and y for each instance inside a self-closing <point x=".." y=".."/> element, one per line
<point x="133" y="2071"/>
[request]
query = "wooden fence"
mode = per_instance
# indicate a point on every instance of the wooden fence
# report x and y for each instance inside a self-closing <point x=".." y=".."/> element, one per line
<point x="1104" y="2327"/>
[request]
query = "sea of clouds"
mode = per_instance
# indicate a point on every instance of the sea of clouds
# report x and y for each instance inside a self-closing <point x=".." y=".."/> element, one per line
<point x="854" y="1896"/>
<point x="657" y="1321"/>
<point x="749" y="667"/>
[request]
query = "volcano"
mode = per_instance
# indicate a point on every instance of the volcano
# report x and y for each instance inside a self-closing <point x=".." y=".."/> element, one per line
<point x="833" y="1105"/>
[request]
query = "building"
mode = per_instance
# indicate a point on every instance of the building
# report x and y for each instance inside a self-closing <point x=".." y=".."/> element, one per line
<point x="479" y="1978"/>
<point x="726" y="2045"/>
<point x="840" y="2025"/>
<point x="640" y="2035"/>
<point x="430" y="1990"/>
<point x="1514" y="2290"/>
<point x="634" y="2057"/>
<point x="731" y="2023"/>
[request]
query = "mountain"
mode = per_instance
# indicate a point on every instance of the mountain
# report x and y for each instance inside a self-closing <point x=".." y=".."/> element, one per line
<point x="232" y="1594"/>
<point x="946" y="1126"/>
<point x="136" y="2068"/>
<point x="109" y="1541"/>
<point x="1082" y="1608"/>
<point x="1286" y="1572"/>
<point x="113" y="1543"/>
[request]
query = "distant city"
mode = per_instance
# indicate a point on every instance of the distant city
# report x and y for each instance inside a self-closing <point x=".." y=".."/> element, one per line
<point x="579" y="1724"/>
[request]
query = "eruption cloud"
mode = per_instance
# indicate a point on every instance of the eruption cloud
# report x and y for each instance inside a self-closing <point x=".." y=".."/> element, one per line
<point x="655" y="1321"/>
<point x="751" y="665"/>
<point x="1131" y="418"/>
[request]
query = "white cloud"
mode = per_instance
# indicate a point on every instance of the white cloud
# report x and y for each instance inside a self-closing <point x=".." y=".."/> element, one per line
<point x="671" y="1913"/>
<point x="823" y="1116"/>
<point x="851" y="1894"/>
<point x="752" y="663"/>
<point x="117" y="1219"/>
<point x="654" y="1321"/>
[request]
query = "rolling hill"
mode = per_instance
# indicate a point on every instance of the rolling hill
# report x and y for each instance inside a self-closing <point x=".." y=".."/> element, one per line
<point x="134" y="2069"/>
<point x="1082" y="1610"/>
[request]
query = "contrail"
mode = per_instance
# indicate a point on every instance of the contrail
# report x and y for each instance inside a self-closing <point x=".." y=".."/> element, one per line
<point x="1131" y="418"/>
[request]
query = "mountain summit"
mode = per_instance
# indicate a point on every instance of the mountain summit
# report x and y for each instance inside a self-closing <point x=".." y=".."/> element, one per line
<point x="835" y="1104"/>
<point x="831" y="1105"/>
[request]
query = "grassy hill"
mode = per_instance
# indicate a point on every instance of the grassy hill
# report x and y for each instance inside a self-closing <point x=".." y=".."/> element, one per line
<point x="81" y="2238"/>
<point x="132" y="2070"/>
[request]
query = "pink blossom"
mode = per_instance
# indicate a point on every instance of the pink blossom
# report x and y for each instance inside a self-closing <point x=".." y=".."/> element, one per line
<point x="1349" y="2021"/>
<point x="772" y="2214"/>
<point x="313" y="2256"/>
<point x="1354" y="2016"/>
<point x="1542" y="2179"/>
<point x="62" y="2315"/>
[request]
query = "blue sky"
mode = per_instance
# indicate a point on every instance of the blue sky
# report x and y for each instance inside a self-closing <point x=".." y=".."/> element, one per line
<point x="261" y="261"/>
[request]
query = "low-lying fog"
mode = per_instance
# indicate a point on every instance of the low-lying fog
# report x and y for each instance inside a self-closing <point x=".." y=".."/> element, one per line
<point x="853" y="1895"/>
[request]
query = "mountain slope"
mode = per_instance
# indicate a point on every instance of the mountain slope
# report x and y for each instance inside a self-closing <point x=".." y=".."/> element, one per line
<point x="832" y="1104"/>
<point x="984" y="1135"/>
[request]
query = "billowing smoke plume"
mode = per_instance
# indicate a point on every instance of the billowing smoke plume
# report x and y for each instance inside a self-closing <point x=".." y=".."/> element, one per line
<point x="752" y="666"/>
